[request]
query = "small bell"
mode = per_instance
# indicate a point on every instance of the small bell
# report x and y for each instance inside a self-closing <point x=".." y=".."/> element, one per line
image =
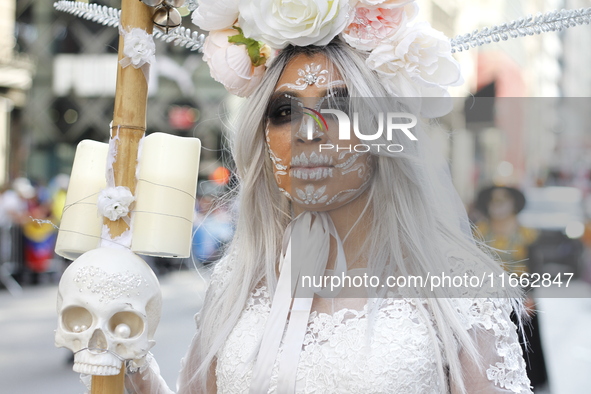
<point x="166" y="19"/>
<point x="152" y="3"/>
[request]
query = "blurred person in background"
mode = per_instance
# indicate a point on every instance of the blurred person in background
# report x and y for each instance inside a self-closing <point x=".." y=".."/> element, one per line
<point x="14" y="205"/>
<point x="57" y="190"/>
<point x="13" y="214"/>
<point x="212" y="225"/>
<point x="501" y="230"/>
<point x="39" y="235"/>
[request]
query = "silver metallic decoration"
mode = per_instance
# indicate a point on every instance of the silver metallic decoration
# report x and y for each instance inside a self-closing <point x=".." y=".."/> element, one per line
<point x="152" y="3"/>
<point x="182" y="37"/>
<point x="97" y="13"/>
<point x="170" y="3"/>
<point x="110" y="17"/>
<point x="166" y="19"/>
<point x="527" y="26"/>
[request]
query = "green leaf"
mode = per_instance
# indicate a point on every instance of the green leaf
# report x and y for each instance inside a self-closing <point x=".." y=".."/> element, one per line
<point x="239" y="39"/>
<point x="253" y="47"/>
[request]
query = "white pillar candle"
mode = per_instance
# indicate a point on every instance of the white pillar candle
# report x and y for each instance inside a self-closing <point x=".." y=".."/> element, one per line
<point x="81" y="225"/>
<point x="162" y="220"/>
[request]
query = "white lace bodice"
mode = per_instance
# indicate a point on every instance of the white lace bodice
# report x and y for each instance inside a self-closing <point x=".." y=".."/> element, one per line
<point x="400" y="356"/>
<point x="336" y="355"/>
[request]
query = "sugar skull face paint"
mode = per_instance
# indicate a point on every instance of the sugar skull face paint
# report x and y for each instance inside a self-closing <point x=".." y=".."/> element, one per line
<point x="313" y="179"/>
<point x="312" y="74"/>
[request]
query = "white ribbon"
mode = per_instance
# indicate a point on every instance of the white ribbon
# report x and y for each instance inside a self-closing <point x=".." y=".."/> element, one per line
<point x="313" y="230"/>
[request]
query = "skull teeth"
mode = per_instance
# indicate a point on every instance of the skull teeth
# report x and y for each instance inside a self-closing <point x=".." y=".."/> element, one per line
<point x="100" y="370"/>
<point x="104" y="364"/>
<point x="315" y="159"/>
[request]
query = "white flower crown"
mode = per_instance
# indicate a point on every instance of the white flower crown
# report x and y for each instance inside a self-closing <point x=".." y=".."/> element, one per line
<point x="244" y="35"/>
<point x="400" y="52"/>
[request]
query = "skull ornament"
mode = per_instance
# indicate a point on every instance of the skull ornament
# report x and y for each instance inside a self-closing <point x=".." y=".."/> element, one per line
<point x="109" y="305"/>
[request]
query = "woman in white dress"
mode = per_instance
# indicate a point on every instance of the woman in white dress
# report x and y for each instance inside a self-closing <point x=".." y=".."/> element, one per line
<point x="383" y="213"/>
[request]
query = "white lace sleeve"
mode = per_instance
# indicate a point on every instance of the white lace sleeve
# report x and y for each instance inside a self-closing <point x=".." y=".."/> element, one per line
<point x="495" y="335"/>
<point x="147" y="380"/>
<point x="488" y="321"/>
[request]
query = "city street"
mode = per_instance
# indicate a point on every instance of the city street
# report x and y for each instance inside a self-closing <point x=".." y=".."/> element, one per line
<point x="470" y="123"/>
<point x="565" y="325"/>
<point x="30" y="364"/>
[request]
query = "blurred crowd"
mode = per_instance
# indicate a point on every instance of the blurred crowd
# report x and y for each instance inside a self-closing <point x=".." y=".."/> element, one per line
<point x="547" y="227"/>
<point x="537" y="232"/>
<point x="543" y="229"/>
<point x="29" y="215"/>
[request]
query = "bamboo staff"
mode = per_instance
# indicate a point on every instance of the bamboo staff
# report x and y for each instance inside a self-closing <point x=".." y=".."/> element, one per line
<point x="129" y="124"/>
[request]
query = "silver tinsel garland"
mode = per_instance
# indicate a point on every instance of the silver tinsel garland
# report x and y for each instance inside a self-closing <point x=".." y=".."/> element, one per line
<point x="110" y="17"/>
<point x="527" y="26"/>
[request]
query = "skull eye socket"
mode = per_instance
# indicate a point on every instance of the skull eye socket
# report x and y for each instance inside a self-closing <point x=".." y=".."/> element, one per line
<point x="76" y="319"/>
<point x="126" y="325"/>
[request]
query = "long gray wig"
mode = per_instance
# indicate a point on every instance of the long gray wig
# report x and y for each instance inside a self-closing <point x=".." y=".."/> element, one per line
<point x="416" y="221"/>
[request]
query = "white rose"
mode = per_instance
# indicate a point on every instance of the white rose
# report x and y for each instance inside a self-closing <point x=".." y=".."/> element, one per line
<point x="138" y="47"/>
<point x="417" y="62"/>
<point x="298" y="22"/>
<point x="215" y="14"/>
<point x="114" y="202"/>
<point x="230" y="64"/>
<point x="421" y="54"/>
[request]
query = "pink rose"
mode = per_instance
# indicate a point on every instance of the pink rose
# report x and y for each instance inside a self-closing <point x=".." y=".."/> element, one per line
<point x="371" y="25"/>
<point x="230" y="64"/>
<point x="387" y="3"/>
